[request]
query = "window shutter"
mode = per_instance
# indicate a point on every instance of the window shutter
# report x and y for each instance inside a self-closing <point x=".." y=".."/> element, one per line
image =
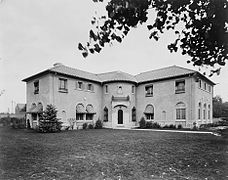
<point x="92" y="87"/>
<point x="83" y="86"/>
<point x="76" y="84"/>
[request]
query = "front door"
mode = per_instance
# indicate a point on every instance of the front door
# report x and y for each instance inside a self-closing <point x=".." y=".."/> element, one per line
<point x="120" y="116"/>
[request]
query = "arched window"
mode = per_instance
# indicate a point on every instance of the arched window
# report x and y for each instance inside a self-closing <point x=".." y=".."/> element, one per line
<point x="80" y="111"/>
<point x="105" y="114"/>
<point x="163" y="115"/>
<point x="199" y="111"/>
<point x="204" y="111"/>
<point x="149" y="112"/>
<point x="133" y="113"/>
<point x="209" y="111"/>
<point x="180" y="111"/>
<point x="89" y="112"/>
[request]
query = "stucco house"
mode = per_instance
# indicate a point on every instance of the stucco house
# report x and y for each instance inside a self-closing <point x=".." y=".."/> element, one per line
<point x="171" y="95"/>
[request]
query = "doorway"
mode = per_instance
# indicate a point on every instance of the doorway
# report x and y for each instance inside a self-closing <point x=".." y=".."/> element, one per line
<point x="120" y="116"/>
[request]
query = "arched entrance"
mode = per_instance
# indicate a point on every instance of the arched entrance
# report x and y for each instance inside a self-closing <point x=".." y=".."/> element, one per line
<point x="120" y="116"/>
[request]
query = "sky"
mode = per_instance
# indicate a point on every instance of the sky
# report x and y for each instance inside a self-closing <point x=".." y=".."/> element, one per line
<point x="35" y="34"/>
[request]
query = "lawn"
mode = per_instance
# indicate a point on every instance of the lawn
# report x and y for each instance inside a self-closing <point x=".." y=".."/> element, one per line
<point x="112" y="154"/>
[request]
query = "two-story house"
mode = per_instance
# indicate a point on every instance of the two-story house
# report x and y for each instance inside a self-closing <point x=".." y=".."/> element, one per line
<point x="171" y="95"/>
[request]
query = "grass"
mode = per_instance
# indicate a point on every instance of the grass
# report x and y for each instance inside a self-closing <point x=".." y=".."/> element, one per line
<point x="111" y="154"/>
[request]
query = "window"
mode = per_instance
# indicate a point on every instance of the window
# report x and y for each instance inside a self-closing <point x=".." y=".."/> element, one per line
<point x="209" y="111"/>
<point x="133" y="89"/>
<point x="149" y="90"/>
<point x="62" y="84"/>
<point x="79" y="85"/>
<point x="119" y="90"/>
<point x="79" y="116"/>
<point x="149" y="112"/>
<point x="89" y="116"/>
<point x="205" y="86"/>
<point x="106" y="88"/>
<point x="90" y="87"/>
<point x="105" y="114"/>
<point x="34" y="116"/>
<point x="200" y="83"/>
<point x="180" y="86"/>
<point x="199" y="111"/>
<point x="133" y="114"/>
<point x="180" y="111"/>
<point x="205" y="111"/>
<point x="209" y="88"/>
<point x="36" y="87"/>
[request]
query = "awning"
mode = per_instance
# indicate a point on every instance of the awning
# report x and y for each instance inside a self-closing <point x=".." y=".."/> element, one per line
<point x="149" y="109"/>
<point x="90" y="109"/>
<point x="35" y="109"/>
<point x="80" y="109"/>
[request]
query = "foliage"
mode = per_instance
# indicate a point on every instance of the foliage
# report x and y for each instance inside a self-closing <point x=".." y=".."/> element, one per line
<point x="49" y="121"/>
<point x="220" y="108"/>
<point x="179" y="126"/>
<point x="98" y="124"/>
<point x="200" y="27"/>
<point x="149" y="124"/>
<point x="142" y="123"/>
<point x="5" y="121"/>
<point x="90" y="126"/>
<point x="171" y="126"/>
<point x="18" y="123"/>
<point x="84" y="126"/>
<point x="156" y="125"/>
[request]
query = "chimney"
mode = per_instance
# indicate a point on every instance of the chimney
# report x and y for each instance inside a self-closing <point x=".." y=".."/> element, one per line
<point x="57" y="64"/>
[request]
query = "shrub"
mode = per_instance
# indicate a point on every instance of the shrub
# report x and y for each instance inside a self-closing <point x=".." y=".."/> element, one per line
<point x="156" y="125"/>
<point x="98" y="124"/>
<point x="179" y="126"/>
<point x="84" y="125"/>
<point x="194" y="126"/>
<point x="90" y="126"/>
<point x="142" y="123"/>
<point x="149" y="125"/>
<point x="18" y="123"/>
<point x="166" y="126"/>
<point x="171" y="126"/>
<point x="49" y="121"/>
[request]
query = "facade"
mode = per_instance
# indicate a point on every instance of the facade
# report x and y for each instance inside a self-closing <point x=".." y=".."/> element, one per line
<point x="171" y="95"/>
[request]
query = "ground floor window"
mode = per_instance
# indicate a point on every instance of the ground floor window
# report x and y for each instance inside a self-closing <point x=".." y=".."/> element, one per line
<point x="79" y="116"/>
<point x="89" y="116"/>
<point x="105" y="114"/>
<point x="149" y="116"/>
<point x="180" y="111"/>
<point x="133" y="114"/>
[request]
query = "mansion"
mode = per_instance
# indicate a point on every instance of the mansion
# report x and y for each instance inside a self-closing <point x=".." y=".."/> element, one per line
<point x="171" y="95"/>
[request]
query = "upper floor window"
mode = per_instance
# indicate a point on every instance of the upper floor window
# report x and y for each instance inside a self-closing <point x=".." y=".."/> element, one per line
<point x="200" y="83"/>
<point x="209" y="88"/>
<point x="133" y="89"/>
<point x="106" y="88"/>
<point x="205" y="86"/>
<point x="36" y="87"/>
<point x="79" y="85"/>
<point x="62" y="84"/>
<point x="149" y="90"/>
<point x="180" y="86"/>
<point x="90" y="87"/>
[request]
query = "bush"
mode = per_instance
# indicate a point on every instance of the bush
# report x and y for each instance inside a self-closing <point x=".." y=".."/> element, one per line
<point x="156" y="125"/>
<point x="90" y="126"/>
<point x="98" y="124"/>
<point x="142" y="123"/>
<point x="49" y="121"/>
<point x="84" y="126"/>
<point x="171" y="126"/>
<point x="179" y="126"/>
<point x="166" y="126"/>
<point x="18" y="123"/>
<point x="149" y="125"/>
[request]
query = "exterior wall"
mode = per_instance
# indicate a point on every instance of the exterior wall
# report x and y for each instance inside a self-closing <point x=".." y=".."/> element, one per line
<point x="204" y="97"/>
<point x="112" y="105"/>
<point x="42" y="97"/>
<point x="164" y="99"/>
<point x="68" y="101"/>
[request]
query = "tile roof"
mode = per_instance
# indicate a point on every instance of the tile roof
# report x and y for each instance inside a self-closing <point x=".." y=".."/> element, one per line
<point x="168" y="72"/>
<point x="116" y="76"/>
<point x="74" y="72"/>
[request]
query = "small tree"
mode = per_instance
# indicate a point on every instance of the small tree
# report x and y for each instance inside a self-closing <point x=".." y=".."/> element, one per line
<point x="98" y="124"/>
<point x="49" y="121"/>
<point x="142" y="123"/>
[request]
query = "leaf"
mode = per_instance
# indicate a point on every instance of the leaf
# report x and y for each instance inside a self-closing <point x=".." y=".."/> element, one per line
<point x="80" y="46"/>
<point x="91" y="51"/>
<point x="92" y="35"/>
<point x="85" y="54"/>
<point x="149" y="27"/>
